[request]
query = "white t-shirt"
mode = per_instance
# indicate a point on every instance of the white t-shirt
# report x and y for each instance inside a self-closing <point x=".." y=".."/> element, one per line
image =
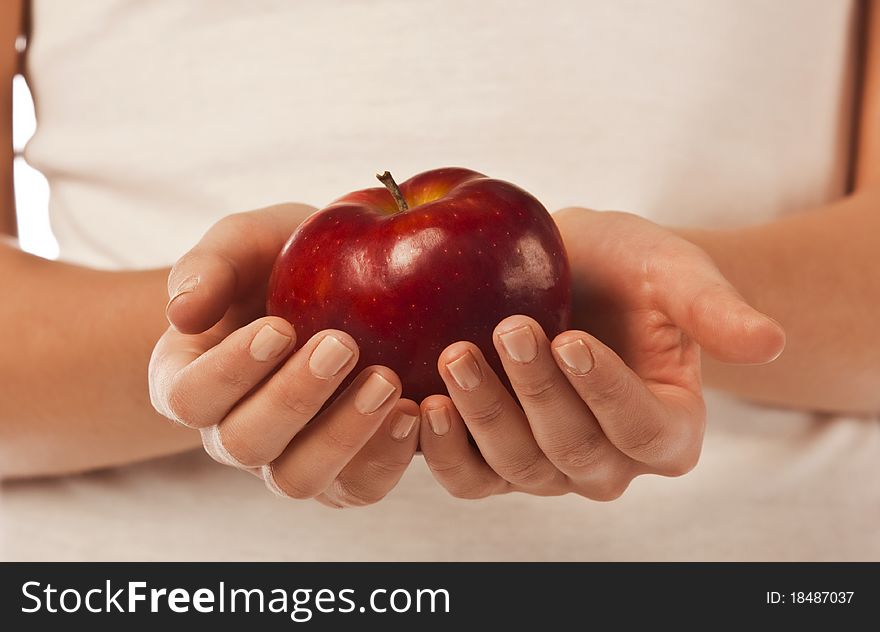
<point x="156" y="119"/>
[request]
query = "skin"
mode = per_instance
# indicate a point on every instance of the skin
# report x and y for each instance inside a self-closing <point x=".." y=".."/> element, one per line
<point x="590" y="427"/>
<point x="206" y="373"/>
<point x="639" y="409"/>
<point x="89" y="337"/>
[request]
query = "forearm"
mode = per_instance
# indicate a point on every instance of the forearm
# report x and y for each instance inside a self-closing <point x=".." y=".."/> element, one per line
<point x="818" y="274"/>
<point x="75" y="348"/>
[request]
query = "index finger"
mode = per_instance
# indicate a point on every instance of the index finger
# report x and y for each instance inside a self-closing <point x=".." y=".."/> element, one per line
<point x="197" y="379"/>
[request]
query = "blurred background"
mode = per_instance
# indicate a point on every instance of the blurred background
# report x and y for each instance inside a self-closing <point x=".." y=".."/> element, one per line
<point x="31" y="188"/>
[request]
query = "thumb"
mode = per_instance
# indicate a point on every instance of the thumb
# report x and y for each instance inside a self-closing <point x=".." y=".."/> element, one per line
<point x="708" y="308"/>
<point x="730" y="330"/>
<point x="201" y="287"/>
<point x="231" y="263"/>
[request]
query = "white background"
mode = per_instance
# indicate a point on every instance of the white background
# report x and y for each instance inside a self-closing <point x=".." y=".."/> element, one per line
<point x="31" y="189"/>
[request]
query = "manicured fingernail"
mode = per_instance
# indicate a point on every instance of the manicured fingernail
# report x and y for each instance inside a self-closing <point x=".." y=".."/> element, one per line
<point x="520" y="344"/>
<point x="329" y="357"/>
<point x="268" y="343"/>
<point x="465" y="372"/>
<point x="373" y="393"/>
<point x="403" y="426"/>
<point x="576" y="356"/>
<point x="438" y="419"/>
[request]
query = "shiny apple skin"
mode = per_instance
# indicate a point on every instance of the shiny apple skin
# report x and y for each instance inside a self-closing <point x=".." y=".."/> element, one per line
<point x="469" y="252"/>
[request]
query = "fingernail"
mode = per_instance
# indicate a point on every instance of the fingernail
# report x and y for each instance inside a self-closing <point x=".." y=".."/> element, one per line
<point x="465" y="372"/>
<point x="268" y="343"/>
<point x="576" y="356"/>
<point x="403" y="426"/>
<point x="438" y="419"/>
<point x="520" y="344"/>
<point x="187" y="285"/>
<point x="373" y="393"/>
<point x="329" y="357"/>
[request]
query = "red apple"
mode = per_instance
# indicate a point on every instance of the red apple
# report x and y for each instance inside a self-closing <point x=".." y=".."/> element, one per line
<point x="407" y="271"/>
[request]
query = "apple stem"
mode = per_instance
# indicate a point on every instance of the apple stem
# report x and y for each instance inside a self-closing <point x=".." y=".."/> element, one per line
<point x="387" y="179"/>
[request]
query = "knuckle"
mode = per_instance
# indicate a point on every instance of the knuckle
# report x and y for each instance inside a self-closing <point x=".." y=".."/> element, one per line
<point x="614" y="390"/>
<point x="539" y="389"/>
<point x="649" y="441"/>
<point x="684" y="462"/>
<point x="705" y="299"/>
<point x="577" y="457"/>
<point x="239" y="223"/>
<point x="351" y="493"/>
<point x="487" y="414"/>
<point x="610" y="489"/>
<point x="470" y="488"/>
<point x="529" y="471"/>
<point x="370" y="485"/>
<point x="670" y="448"/>
<point x="294" y="487"/>
<point x="447" y="470"/>
<point x="456" y="478"/>
<point x="243" y="451"/>
<point x="230" y="370"/>
<point x="339" y="440"/>
<point x="181" y="406"/>
<point x="296" y="402"/>
<point x="381" y="469"/>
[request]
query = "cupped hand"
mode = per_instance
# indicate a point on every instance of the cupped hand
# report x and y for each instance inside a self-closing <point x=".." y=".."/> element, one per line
<point x="226" y="370"/>
<point x="596" y="409"/>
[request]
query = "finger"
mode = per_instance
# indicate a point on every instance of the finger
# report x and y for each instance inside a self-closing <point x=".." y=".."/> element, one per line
<point x="198" y="385"/>
<point x="217" y="451"/>
<point x="230" y="262"/>
<point x="378" y="467"/>
<point x="667" y="434"/>
<point x="707" y="308"/>
<point x="494" y="419"/>
<point x="312" y="461"/>
<point x="259" y="428"/>
<point x="456" y="464"/>
<point x="562" y="424"/>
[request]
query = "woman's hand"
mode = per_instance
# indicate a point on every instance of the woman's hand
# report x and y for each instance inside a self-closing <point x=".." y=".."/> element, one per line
<point x="597" y="409"/>
<point x="223" y="369"/>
